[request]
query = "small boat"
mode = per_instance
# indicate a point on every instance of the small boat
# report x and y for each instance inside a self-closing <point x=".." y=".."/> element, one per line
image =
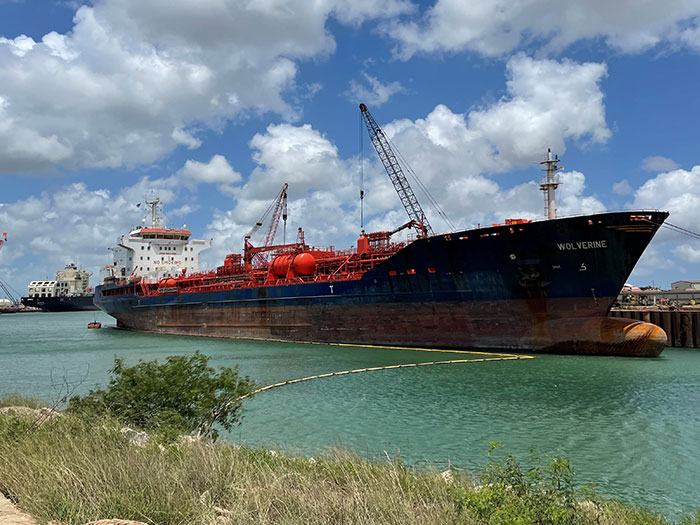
<point x="94" y="324"/>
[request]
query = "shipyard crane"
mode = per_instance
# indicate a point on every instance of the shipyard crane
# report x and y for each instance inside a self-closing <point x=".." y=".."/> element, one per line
<point x="278" y="208"/>
<point x="14" y="299"/>
<point x="393" y="169"/>
<point x="3" y="285"/>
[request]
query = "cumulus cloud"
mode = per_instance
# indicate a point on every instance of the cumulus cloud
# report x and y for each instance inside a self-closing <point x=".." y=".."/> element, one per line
<point x="548" y="101"/>
<point x="217" y="171"/>
<point x="688" y="253"/>
<point x="657" y="255"/>
<point x="658" y="164"/>
<point x="375" y="93"/>
<point x="497" y="27"/>
<point x="623" y="187"/>
<point x="454" y="154"/>
<point x="133" y="80"/>
<point x="72" y="224"/>
<point x="675" y="191"/>
<point x="321" y="186"/>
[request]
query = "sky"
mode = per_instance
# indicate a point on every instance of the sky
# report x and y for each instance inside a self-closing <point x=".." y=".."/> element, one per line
<point x="212" y="105"/>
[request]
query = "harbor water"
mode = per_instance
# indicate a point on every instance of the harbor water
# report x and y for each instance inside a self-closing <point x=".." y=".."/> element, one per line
<point x="631" y="426"/>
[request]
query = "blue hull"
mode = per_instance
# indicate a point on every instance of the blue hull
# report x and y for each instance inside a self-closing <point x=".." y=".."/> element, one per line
<point x="523" y="286"/>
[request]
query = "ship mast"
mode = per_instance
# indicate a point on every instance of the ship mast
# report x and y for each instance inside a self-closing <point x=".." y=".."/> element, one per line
<point x="155" y="219"/>
<point x="550" y="183"/>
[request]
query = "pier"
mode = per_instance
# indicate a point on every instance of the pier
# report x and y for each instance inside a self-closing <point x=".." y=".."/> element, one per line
<point x="682" y="326"/>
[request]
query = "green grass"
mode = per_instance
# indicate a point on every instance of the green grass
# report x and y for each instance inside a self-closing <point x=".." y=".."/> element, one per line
<point x="18" y="400"/>
<point x="76" y="471"/>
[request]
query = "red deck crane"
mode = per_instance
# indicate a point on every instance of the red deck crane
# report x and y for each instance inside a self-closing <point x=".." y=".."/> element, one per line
<point x="278" y="207"/>
<point x="393" y="169"/>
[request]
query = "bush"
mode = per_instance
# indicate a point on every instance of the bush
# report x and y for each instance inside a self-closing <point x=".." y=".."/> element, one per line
<point x="544" y="494"/>
<point x="183" y="395"/>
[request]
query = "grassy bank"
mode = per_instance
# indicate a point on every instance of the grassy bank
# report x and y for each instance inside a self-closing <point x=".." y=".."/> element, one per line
<point x="75" y="471"/>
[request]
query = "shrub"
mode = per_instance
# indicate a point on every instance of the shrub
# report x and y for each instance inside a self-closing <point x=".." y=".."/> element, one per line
<point x="544" y="494"/>
<point x="182" y="395"/>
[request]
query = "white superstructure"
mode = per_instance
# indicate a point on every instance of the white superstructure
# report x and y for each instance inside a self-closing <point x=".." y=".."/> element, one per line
<point x="69" y="282"/>
<point x="155" y="252"/>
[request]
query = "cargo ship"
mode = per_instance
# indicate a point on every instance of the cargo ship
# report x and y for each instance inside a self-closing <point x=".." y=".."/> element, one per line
<point x="69" y="292"/>
<point x="536" y="286"/>
<point x="545" y="285"/>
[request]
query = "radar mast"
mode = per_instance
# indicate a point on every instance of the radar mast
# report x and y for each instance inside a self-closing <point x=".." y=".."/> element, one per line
<point x="550" y="183"/>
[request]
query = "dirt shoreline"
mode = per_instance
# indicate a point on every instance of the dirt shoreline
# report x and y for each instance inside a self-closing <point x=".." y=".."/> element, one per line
<point x="11" y="515"/>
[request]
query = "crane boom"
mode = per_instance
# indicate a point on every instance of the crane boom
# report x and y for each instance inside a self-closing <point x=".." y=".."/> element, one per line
<point x="280" y="206"/>
<point x="396" y="175"/>
<point x="4" y="286"/>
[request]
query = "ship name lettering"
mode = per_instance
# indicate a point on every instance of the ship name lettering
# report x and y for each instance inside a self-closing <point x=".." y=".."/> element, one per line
<point x="582" y="245"/>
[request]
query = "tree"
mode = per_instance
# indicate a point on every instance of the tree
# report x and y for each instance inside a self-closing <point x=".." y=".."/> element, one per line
<point x="183" y="394"/>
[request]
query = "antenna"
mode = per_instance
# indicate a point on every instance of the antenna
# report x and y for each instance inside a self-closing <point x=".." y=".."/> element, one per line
<point x="550" y="183"/>
<point x="154" y="203"/>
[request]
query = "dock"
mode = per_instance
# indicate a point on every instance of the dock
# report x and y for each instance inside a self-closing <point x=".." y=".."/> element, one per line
<point x="682" y="325"/>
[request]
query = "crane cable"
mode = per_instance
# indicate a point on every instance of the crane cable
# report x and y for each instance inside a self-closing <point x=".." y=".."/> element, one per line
<point x="262" y="219"/>
<point x="362" y="175"/>
<point x="422" y="186"/>
<point x="675" y="228"/>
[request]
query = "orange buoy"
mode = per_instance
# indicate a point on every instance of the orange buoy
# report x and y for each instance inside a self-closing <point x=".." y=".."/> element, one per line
<point x="94" y="324"/>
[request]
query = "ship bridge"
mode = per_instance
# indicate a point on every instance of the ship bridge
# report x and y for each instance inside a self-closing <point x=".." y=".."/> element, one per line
<point x="155" y="252"/>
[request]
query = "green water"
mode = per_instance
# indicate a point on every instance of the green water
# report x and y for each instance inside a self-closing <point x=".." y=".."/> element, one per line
<point x="631" y="426"/>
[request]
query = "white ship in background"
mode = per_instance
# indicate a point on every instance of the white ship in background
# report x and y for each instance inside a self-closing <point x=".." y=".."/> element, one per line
<point x="70" y="291"/>
<point x="155" y="252"/>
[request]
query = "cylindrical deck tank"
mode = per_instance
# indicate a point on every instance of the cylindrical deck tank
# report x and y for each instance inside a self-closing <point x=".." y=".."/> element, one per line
<point x="167" y="283"/>
<point x="280" y="265"/>
<point x="301" y="264"/>
<point x="304" y="264"/>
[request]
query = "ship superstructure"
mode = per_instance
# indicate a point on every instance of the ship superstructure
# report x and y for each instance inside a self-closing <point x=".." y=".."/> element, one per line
<point x="155" y="252"/>
<point x="69" y="282"/>
<point x="69" y="291"/>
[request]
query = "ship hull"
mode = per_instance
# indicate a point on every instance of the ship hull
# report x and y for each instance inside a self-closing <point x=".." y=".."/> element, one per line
<point x="545" y="286"/>
<point x="74" y="303"/>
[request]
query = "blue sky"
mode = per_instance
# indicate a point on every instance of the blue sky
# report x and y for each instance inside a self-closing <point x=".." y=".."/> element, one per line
<point x="213" y="104"/>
